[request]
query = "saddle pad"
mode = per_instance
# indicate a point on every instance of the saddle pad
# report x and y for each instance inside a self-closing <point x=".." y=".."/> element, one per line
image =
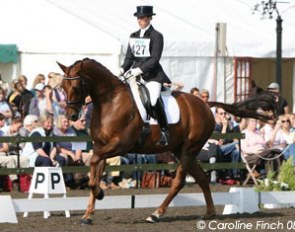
<point x="171" y="108"/>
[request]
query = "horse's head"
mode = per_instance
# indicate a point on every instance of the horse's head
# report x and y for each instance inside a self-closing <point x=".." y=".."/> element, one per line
<point x="74" y="88"/>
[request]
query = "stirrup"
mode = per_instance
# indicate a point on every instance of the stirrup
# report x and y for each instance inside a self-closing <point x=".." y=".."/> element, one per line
<point x="164" y="138"/>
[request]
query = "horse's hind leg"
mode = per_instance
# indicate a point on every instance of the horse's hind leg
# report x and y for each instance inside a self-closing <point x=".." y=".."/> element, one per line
<point x="202" y="179"/>
<point x="177" y="184"/>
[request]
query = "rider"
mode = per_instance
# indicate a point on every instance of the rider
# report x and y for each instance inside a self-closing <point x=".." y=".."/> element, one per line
<point x="143" y="55"/>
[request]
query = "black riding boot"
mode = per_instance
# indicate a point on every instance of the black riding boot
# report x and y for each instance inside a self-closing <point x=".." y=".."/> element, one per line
<point x="160" y="115"/>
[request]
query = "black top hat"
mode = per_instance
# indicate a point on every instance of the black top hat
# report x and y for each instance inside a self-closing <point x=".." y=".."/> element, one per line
<point x="144" y="11"/>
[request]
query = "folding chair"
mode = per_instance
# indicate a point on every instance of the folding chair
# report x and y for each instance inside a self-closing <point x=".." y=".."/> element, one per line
<point x="250" y="168"/>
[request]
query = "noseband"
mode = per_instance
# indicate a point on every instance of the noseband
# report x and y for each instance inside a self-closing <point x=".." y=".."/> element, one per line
<point x="81" y="101"/>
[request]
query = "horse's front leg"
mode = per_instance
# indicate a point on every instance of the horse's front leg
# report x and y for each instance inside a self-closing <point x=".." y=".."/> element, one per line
<point x="97" y="165"/>
<point x="177" y="184"/>
<point x="96" y="171"/>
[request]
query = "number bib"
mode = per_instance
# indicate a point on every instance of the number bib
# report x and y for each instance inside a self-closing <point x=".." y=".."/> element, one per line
<point x="140" y="47"/>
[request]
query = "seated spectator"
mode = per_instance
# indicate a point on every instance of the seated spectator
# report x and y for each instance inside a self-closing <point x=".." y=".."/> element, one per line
<point x="55" y="80"/>
<point x="8" y="151"/>
<point x="83" y="150"/>
<point x="205" y="95"/>
<point x="195" y="91"/>
<point x="277" y="133"/>
<point x="39" y="79"/>
<point x="5" y="107"/>
<point x="38" y="102"/>
<point x="254" y="147"/>
<point x="112" y="179"/>
<point x="130" y="180"/>
<point x="287" y="125"/>
<point x="15" y="96"/>
<point x="227" y="149"/>
<point x="86" y="150"/>
<point x="65" y="148"/>
<point x="43" y="154"/>
<point x="8" y="162"/>
<point x="26" y="95"/>
<point x="9" y="148"/>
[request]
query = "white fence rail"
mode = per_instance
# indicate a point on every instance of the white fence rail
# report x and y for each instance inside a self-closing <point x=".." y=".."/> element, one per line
<point x="238" y="200"/>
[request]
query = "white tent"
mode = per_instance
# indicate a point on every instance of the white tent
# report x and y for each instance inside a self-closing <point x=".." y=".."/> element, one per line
<point x="46" y="31"/>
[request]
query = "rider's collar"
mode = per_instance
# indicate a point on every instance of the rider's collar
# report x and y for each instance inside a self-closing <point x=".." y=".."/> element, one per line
<point x="142" y="31"/>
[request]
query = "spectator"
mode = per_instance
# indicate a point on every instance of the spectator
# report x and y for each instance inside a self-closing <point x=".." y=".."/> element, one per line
<point x="5" y="107"/>
<point x="129" y="180"/>
<point x="289" y="132"/>
<point x="55" y="80"/>
<point x="43" y="154"/>
<point x="65" y="148"/>
<point x="195" y="91"/>
<point x="39" y="79"/>
<point x="87" y="109"/>
<point x="8" y="156"/>
<point x="112" y="179"/>
<point x="15" y="96"/>
<point x="30" y="123"/>
<point x="280" y="134"/>
<point x="4" y="85"/>
<point x="281" y="102"/>
<point x="84" y="149"/>
<point x="52" y="107"/>
<point x="27" y="95"/>
<point x="204" y="94"/>
<point x="9" y="148"/>
<point x="254" y="147"/>
<point x="38" y="102"/>
<point x="228" y="149"/>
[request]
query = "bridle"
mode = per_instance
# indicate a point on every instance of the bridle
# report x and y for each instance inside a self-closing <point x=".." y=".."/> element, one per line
<point x="84" y="94"/>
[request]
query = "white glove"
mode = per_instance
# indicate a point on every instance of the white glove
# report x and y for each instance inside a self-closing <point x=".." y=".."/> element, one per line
<point x="135" y="72"/>
<point x="120" y="72"/>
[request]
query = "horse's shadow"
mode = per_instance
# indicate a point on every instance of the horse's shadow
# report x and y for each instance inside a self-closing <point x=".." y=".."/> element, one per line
<point x="169" y="219"/>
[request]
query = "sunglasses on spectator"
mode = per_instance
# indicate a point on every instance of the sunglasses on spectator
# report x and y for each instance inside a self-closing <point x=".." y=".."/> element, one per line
<point x="283" y="121"/>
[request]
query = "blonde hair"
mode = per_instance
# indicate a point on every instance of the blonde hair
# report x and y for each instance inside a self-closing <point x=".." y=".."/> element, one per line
<point x="54" y="80"/>
<point x="38" y="79"/>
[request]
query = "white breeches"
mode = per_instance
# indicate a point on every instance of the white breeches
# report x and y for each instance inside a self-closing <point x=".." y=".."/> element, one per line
<point x="154" y="90"/>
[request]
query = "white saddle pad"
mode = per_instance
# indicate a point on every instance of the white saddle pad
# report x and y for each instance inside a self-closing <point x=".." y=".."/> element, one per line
<point x="171" y="108"/>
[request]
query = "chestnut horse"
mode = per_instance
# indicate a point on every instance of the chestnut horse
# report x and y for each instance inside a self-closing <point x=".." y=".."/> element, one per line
<point x="116" y="126"/>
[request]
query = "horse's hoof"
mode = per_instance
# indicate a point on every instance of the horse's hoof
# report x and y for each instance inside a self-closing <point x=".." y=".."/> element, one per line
<point x="100" y="195"/>
<point x="152" y="219"/>
<point x="86" y="221"/>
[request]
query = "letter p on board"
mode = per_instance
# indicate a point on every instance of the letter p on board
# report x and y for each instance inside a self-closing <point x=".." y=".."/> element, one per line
<point x="47" y="180"/>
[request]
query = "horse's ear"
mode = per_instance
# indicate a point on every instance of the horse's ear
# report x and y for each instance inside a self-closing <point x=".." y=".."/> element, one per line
<point x="63" y="68"/>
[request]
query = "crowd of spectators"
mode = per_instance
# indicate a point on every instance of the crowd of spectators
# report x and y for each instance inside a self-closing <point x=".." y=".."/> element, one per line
<point x="264" y="142"/>
<point x="40" y="111"/>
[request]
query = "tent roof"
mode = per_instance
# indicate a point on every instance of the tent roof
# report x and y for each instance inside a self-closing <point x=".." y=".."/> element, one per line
<point x="91" y="26"/>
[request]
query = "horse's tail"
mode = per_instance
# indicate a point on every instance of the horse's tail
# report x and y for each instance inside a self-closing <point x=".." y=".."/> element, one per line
<point x="261" y="106"/>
